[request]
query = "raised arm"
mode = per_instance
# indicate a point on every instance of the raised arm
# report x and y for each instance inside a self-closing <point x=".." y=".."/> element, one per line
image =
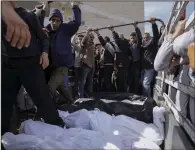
<point x="115" y="36"/>
<point x="41" y="35"/>
<point x="40" y="12"/>
<point x="75" y="23"/>
<point x="85" y="39"/>
<point x="155" y="31"/>
<point x="101" y="39"/>
<point x="138" y="34"/>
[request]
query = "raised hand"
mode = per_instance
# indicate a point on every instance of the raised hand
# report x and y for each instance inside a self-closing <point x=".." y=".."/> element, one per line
<point x="17" y="33"/>
<point x="111" y="28"/>
<point x="152" y="20"/>
<point x="74" y="4"/>
<point x="135" y="24"/>
<point x="89" y="30"/>
<point x="96" y="31"/>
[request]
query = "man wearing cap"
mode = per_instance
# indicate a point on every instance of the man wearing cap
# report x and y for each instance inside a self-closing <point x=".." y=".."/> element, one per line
<point x="60" y="54"/>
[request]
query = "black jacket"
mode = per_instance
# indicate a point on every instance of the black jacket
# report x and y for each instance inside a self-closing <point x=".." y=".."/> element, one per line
<point x="124" y="46"/>
<point x="150" y="49"/>
<point x="137" y="49"/>
<point x="39" y="41"/>
<point x="41" y="16"/>
<point x="108" y="54"/>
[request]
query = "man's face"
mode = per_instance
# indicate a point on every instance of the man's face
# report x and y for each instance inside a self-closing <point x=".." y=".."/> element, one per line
<point x="79" y="39"/>
<point x="146" y="37"/>
<point x="55" y="23"/>
<point x="133" y="39"/>
<point x="99" y="48"/>
<point x="122" y="37"/>
<point x="91" y="37"/>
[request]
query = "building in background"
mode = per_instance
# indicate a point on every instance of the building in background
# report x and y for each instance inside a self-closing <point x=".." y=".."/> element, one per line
<point x="101" y="14"/>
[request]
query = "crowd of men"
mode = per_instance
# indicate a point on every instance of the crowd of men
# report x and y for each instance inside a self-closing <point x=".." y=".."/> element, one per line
<point x="125" y="65"/>
<point x="38" y="58"/>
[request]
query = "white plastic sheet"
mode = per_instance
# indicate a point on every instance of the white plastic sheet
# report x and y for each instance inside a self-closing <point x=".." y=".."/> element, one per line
<point x="92" y="130"/>
<point x="73" y="138"/>
<point x="121" y="125"/>
<point x="181" y="43"/>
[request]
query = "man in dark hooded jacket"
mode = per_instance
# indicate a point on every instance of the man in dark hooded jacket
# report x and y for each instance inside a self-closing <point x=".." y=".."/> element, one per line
<point x="60" y="53"/>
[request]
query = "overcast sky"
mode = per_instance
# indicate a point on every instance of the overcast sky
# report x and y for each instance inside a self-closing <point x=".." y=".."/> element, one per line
<point x="162" y="11"/>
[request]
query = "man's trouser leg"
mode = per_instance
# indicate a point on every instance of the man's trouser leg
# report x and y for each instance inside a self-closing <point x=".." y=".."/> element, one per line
<point x="57" y="80"/>
<point x="90" y="80"/>
<point x="33" y="79"/>
<point x="147" y="77"/>
<point x="85" y="70"/>
<point x="101" y="79"/>
<point x="108" y="70"/>
<point x="136" y="76"/>
<point x="77" y="71"/>
<point x="122" y="79"/>
<point x="10" y="86"/>
<point x="131" y="81"/>
<point x="29" y="73"/>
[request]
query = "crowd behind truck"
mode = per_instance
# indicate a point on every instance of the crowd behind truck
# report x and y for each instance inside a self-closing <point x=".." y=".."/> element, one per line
<point x="36" y="60"/>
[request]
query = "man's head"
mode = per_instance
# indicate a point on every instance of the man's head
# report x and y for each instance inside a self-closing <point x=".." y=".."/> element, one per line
<point x="56" y="18"/>
<point x="107" y="39"/>
<point x="146" y="37"/>
<point x="122" y="36"/>
<point x="80" y="38"/>
<point x="91" y="37"/>
<point x="98" y="47"/>
<point x="133" y="37"/>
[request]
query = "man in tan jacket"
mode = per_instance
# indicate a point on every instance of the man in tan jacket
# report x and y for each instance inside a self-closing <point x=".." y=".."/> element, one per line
<point x="88" y="63"/>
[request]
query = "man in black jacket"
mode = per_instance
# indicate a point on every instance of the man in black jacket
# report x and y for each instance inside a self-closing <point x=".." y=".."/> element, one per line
<point x="25" y="67"/>
<point x="123" y="60"/>
<point x="148" y="54"/>
<point x="134" y="68"/>
<point x="108" y="56"/>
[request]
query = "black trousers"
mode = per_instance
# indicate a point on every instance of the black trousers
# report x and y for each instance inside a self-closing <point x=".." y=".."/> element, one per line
<point x="122" y="79"/>
<point x="108" y="86"/>
<point x="77" y="75"/>
<point x="101" y="80"/>
<point x="29" y="73"/>
<point x="134" y="77"/>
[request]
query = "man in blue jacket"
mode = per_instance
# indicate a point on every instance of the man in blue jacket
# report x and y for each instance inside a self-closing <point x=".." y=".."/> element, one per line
<point x="60" y="54"/>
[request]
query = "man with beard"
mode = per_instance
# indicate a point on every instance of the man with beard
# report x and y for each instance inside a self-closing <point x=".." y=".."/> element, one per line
<point x="60" y="53"/>
<point x="148" y="54"/>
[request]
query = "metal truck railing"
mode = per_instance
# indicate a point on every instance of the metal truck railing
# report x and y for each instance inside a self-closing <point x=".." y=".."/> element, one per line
<point x="164" y="83"/>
